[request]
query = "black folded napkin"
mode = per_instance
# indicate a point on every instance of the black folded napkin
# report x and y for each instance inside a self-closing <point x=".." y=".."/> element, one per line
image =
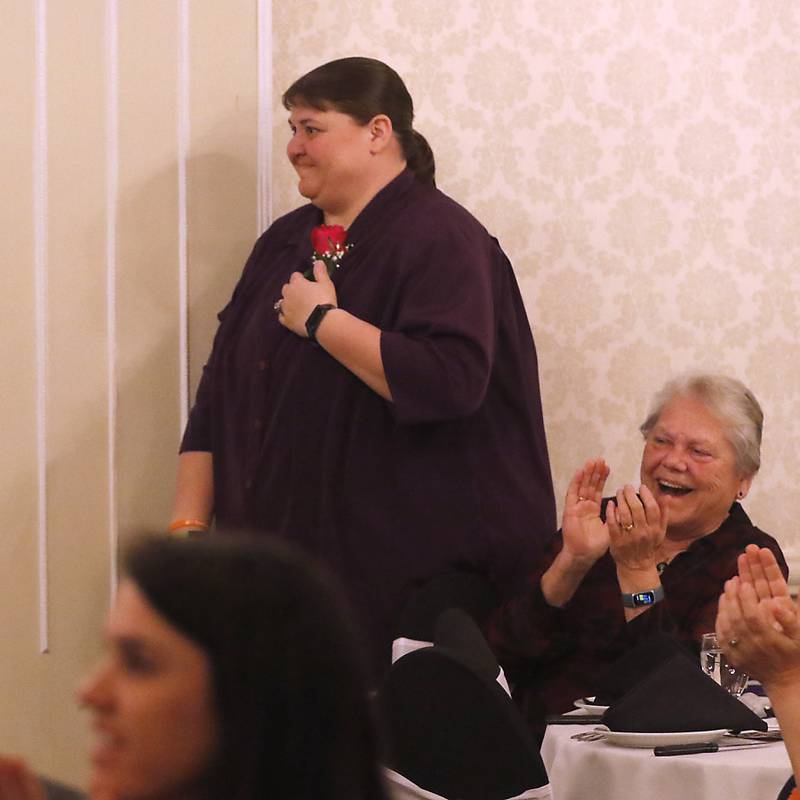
<point x="635" y="665"/>
<point x="679" y="696"/>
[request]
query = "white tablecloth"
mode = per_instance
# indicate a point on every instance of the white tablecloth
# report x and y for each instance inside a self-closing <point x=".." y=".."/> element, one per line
<point x="600" y="771"/>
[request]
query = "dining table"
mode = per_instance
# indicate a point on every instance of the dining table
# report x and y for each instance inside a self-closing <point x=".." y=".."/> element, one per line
<point x="580" y="770"/>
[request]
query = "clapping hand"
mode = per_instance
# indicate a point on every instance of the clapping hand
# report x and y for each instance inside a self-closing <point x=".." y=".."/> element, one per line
<point x="585" y="534"/>
<point x="758" y="567"/>
<point x="17" y="782"/>
<point x="758" y="624"/>
<point x="637" y="527"/>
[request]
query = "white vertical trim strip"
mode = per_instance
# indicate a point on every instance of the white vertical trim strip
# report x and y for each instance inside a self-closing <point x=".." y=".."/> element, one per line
<point x="40" y="269"/>
<point x="112" y="205"/>
<point x="265" y="77"/>
<point x="183" y="150"/>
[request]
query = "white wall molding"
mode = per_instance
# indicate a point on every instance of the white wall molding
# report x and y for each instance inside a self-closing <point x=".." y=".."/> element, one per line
<point x="265" y="116"/>
<point x="112" y="206"/>
<point x="40" y="267"/>
<point x="183" y="78"/>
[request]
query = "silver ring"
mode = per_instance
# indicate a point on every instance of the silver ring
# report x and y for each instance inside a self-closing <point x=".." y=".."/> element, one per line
<point x="580" y="498"/>
<point x="277" y="305"/>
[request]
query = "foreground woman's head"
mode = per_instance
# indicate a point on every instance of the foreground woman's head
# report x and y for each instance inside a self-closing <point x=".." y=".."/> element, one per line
<point x="702" y="450"/>
<point x="231" y="672"/>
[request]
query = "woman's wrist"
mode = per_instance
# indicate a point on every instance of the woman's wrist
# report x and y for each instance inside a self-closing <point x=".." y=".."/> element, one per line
<point x="638" y="579"/>
<point x="782" y="683"/>
<point x="563" y="577"/>
<point x="574" y="565"/>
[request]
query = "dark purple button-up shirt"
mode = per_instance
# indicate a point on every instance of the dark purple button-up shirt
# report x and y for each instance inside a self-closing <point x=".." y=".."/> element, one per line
<point x="452" y="474"/>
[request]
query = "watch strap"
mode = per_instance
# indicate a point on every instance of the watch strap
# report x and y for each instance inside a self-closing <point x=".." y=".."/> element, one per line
<point x="315" y="318"/>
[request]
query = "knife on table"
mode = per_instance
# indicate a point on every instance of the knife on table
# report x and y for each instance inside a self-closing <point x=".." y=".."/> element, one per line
<point x="573" y="719"/>
<point x="708" y="747"/>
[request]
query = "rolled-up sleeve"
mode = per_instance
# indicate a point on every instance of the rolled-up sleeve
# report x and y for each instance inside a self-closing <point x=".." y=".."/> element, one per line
<point x="438" y="355"/>
<point x="197" y="436"/>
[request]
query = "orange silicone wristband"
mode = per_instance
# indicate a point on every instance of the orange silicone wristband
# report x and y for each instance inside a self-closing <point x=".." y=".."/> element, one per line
<point x="188" y="523"/>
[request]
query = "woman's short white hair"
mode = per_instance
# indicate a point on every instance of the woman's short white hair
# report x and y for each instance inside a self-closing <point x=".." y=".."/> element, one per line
<point x="730" y="401"/>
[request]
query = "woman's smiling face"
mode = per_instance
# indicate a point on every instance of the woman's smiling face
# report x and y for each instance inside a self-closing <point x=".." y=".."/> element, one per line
<point x="152" y="707"/>
<point x="690" y="467"/>
<point x="330" y="152"/>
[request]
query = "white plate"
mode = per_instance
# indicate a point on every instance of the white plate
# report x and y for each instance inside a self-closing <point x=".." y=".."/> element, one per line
<point x="588" y="704"/>
<point x="631" y="739"/>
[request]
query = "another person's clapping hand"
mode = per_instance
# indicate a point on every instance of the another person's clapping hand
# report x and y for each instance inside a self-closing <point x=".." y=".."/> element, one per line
<point x="758" y="624"/>
<point x="17" y="782"/>
<point x="300" y="296"/>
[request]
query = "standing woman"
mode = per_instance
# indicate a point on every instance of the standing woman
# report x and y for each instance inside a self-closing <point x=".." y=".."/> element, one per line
<point x="386" y="417"/>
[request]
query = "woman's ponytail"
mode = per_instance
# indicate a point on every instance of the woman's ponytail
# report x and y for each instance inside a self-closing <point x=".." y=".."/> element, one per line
<point x="419" y="156"/>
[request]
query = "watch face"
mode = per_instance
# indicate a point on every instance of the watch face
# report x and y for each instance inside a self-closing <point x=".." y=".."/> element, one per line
<point x="644" y="599"/>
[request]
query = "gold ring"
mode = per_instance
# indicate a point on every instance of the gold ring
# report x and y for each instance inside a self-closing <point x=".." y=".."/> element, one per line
<point x="580" y="498"/>
<point x="733" y="642"/>
<point x="627" y="528"/>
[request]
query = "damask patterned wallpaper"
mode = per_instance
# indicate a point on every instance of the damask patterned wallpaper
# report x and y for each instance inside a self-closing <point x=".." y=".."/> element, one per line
<point x="639" y="161"/>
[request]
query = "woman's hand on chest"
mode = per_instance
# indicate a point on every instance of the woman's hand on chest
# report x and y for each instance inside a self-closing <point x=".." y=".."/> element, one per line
<point x="299" y="297"/>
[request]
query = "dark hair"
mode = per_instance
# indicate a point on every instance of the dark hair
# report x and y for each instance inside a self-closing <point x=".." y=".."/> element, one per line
<point x="363" y="88"/>
<point x="294" y="716"/>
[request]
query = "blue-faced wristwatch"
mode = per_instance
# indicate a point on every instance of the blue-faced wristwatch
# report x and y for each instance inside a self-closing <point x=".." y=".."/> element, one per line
<point x="648" y="597"/>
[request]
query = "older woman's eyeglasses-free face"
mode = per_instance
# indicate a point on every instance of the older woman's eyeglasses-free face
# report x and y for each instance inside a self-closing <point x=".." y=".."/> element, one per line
<point x="690" y="467"/>
<point x="152" y="708"/>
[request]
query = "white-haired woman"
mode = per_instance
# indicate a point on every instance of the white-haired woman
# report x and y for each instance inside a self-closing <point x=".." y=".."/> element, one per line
<point x="652" y="558"/>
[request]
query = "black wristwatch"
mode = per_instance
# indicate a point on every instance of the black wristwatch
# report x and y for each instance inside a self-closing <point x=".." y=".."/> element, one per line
<point x="315" y="318"/>
<point x="648" y="597"/>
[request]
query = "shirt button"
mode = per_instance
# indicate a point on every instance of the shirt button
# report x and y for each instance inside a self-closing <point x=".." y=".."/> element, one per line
<point x="262" y="365"/>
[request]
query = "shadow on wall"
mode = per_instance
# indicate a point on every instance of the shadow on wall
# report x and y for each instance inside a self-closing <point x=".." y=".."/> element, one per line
<point x="221" y="203"/>
<point x="147" y="364"/>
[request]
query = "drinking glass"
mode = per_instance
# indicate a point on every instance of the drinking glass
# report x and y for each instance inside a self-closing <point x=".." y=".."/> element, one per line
<point x="714" y="664"/>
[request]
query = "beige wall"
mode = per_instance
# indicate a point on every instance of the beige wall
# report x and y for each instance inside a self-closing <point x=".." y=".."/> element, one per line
<point x="146" y="134"/>
<point x="638" y="160"/>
